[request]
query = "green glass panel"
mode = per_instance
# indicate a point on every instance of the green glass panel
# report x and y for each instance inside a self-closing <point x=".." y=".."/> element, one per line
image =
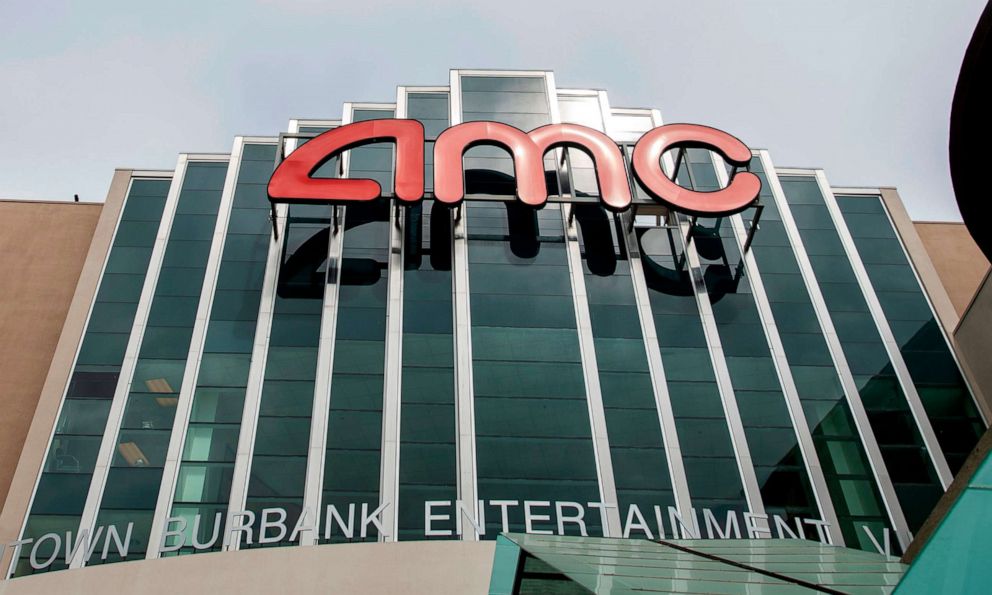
<point x="211" y="442"/>
<point x="891" y="421"/>
<point x="525" y="344"/>
<point x="938" y="380"/>
<point x="352" y="456"/>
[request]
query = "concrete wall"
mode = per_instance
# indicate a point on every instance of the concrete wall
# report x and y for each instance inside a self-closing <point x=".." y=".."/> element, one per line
<point x="42" y="249"/>
<point x="48" y="395"/>
<point x="410" y="568"/>
<point x="974" y="338"/>
<point x="959" y="263"/>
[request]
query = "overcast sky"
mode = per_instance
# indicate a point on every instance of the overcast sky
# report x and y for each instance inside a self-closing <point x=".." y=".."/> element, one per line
<point x="861" y="88"/>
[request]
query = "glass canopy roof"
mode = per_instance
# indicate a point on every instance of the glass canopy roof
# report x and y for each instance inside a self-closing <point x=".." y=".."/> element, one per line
<point x="557" y="564"/>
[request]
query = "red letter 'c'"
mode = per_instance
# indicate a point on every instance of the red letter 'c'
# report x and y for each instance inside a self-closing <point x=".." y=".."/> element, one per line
<point x="740" y="193"/>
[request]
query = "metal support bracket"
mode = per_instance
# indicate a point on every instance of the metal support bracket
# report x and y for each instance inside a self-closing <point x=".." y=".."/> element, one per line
<point x="688" y="237"/>
<point x="273" y="219"/>
<point x="679" y="157"/>
<point x="278" y="160"/>
<point x="753" y="227"/>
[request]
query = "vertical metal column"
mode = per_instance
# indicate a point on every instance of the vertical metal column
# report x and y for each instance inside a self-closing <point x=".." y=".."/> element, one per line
<point x="389" y="484"/>
<point x="317" y="448"/>
<point x="468" y="489"/>
<point x="256" y="370"/>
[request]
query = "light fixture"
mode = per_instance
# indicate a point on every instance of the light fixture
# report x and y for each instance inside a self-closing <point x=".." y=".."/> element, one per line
<point x="132" y="454"/>
<point x="159" y="385"/>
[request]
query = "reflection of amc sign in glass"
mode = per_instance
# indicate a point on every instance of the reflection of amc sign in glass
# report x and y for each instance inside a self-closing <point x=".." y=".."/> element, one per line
<point x="291" y="181"/>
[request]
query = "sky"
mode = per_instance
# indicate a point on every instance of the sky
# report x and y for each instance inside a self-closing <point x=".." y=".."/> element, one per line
<point x="862" y="88"/>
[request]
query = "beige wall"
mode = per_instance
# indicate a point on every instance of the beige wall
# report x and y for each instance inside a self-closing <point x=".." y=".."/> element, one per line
<point x="407" y="568"/>
<point x="959" y="263"/>
<point x="974" y="339"/>
<point x="42" y="249"/>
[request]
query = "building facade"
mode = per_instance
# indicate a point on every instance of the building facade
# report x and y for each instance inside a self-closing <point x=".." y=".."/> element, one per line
<point x="238" y="375"/>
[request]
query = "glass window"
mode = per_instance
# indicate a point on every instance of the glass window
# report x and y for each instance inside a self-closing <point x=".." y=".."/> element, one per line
<point x="166" y="342"/>
<point x="205" y="176"/>
<point x="945" y="397"/>
<point x="68" y="466"/>
<point x="517" y="263"/>
<point x="883" y="398"/>
<point x="133" y="482"/>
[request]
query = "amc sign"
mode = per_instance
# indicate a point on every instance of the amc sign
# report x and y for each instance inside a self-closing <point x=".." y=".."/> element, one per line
<point x="292" y="182"/>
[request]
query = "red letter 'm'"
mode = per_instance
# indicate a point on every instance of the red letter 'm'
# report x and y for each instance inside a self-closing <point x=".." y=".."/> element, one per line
<point x="528" y="151"/>
<point x="291" y="182"/>
<point x="611" y="174"/>
<point x="449" y="185"/>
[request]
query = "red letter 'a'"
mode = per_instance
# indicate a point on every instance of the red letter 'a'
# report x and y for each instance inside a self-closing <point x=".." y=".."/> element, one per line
<point x="291" y="182"/>
<point x="741" y="191"/>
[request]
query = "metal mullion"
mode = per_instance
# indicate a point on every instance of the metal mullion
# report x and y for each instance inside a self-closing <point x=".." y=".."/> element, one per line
<point x="256" y="371"/>
<point x="389" y="479"/>
<point x="468" y="489"/>
<point x="883" y="481"/>
<point x="391" y="405"/>
<point x="465" y="452"/>
<point x="317" y="448"/>
<point x="888" y="339"/>
<point x="180" y="423"/>
<point x="807" y="448"/>
<point x="111" y="431"/>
